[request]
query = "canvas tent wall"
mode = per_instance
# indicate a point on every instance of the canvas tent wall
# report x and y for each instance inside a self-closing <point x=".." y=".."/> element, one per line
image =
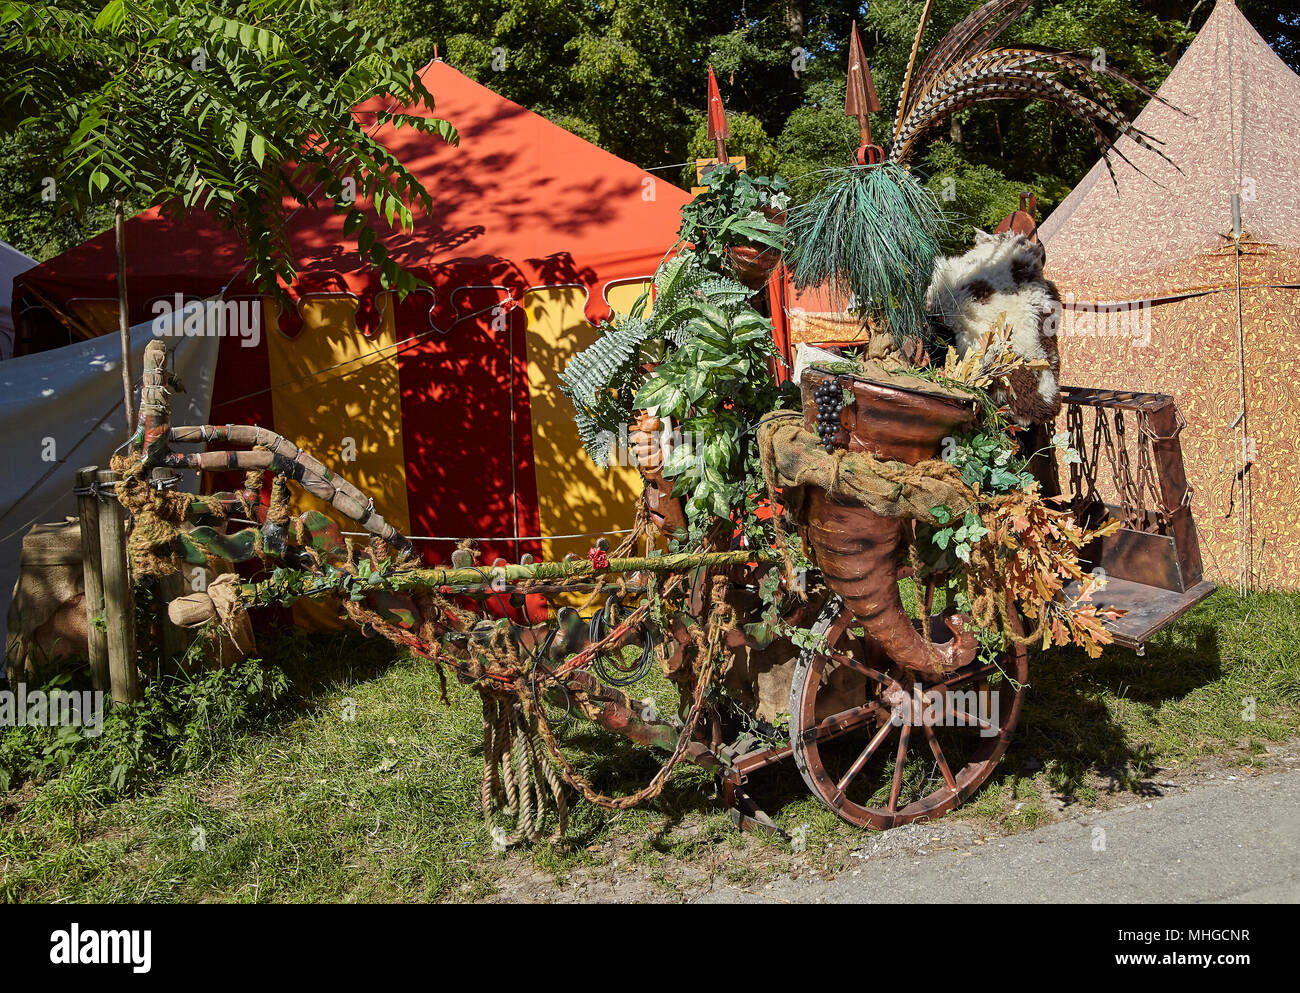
<point x="61" y="410"/>
<point x="1149" y="277"/>
<point x="12" y="264"/>
<point x="444" y="407"/>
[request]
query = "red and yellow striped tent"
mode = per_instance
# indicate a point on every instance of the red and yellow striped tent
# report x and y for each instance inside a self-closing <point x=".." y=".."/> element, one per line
<point x="445" y="406"/>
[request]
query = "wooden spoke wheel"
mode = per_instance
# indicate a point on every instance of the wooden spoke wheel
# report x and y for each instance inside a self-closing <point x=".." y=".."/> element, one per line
<point x="884" y="746"/>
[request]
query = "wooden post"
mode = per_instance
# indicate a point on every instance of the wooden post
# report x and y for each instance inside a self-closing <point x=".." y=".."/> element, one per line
<point x="96" y="634"/>
<point x="119" y="604"/>
<point x="175" y="640"/>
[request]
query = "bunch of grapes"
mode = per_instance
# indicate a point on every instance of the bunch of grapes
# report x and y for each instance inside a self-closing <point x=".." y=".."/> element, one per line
<point x="829" y="402"/>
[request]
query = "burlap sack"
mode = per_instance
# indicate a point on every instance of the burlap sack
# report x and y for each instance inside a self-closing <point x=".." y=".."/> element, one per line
<point x="47" y="616"/>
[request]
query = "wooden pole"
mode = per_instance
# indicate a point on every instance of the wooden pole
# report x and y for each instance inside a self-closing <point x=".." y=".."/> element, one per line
<point x="418" y="579"/>
<point x="119" y="604"/>
<point x="174" y="640"/>
<point x="96" y="633"/>
<point x="123" y="319"/>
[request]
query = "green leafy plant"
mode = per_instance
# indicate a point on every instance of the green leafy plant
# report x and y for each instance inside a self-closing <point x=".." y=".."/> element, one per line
<point x="988" y="461"/>
<point x="602" y="379"/>
<point x="181" y="722"/>
<point x="699" y="357"/>
<point x="242" y="109"/>
<point x="736" y="209"/>
<point x="962" y="536"/>
<point x="716" y="386"/>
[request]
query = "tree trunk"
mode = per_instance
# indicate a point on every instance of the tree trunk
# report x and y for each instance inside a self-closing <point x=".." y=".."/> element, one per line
<point x="123" y="320"/>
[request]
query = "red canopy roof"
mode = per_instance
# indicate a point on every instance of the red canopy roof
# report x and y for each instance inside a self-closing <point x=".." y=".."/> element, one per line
<point x="520" y="203"/>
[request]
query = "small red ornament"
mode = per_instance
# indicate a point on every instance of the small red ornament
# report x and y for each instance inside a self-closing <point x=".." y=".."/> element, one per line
<point x="598" y="558"/>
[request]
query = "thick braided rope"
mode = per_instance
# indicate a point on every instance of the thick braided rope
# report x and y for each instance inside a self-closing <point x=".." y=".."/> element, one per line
<point x="514" y="768"/>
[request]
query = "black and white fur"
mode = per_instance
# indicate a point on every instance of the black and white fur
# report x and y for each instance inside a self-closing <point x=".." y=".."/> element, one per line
<point x="1003" y="274"/>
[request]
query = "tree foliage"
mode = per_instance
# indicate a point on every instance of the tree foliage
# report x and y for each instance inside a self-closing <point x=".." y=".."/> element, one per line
<point x="630" y="76"/>
<point x="242" y="109"/>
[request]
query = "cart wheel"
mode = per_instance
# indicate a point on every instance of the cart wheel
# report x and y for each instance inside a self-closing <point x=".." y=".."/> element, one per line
<point x="883" y="746"/>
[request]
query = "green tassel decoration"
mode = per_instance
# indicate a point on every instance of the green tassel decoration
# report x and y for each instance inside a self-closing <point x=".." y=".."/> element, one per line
<point x="870" y="236"/>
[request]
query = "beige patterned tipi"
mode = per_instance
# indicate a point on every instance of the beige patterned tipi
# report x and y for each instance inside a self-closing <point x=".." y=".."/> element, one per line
<point x="1160" y="296"/>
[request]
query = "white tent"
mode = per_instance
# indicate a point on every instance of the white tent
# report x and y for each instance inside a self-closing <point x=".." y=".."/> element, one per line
<point x="61" y="410"/>
<point x="12" y="263"/>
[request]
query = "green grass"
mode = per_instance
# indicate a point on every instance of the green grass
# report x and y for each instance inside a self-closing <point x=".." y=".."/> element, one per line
<point x="276" y="797"/>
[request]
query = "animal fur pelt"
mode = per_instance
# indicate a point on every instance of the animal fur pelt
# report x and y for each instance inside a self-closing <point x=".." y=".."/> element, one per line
<point x="1003" y="275"/>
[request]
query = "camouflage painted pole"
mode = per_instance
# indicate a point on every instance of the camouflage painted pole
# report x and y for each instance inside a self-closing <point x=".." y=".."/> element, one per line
<point x="418" y="579"/>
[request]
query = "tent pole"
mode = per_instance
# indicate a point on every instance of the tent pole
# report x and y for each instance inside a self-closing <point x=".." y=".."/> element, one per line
<point x="123" y="319"/>
<point x="1244" y="537"/>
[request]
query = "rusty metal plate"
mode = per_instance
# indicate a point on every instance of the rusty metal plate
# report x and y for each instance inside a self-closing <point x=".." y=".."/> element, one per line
<point x="1150" y="609"/>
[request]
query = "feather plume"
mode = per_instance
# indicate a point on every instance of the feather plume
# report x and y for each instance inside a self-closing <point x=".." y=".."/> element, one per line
<point x="961" y="71"/>
<point x="911" y="62"/>
<point x="958" y="39"/>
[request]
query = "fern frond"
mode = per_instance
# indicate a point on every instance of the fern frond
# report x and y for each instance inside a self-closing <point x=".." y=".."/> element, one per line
<point x="600" y="382"/>
<point x="684" y="293"/>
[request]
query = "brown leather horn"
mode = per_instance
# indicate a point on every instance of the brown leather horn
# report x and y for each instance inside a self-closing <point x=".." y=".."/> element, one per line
<point x="859" y="550"/>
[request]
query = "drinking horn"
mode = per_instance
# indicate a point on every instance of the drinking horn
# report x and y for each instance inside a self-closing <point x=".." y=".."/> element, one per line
<point x="860" y="551"/>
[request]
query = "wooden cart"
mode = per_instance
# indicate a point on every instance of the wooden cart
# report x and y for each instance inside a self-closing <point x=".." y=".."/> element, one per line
<point x="890" y="718"/>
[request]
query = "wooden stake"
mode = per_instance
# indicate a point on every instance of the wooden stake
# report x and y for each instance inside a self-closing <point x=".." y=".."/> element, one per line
<point x="96" y="634"/>
<point x="175" y="640"/>
<point x="119" y="604"/>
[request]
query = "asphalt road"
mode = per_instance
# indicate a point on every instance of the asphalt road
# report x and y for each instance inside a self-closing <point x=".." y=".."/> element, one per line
<point x="1233" y="840"/>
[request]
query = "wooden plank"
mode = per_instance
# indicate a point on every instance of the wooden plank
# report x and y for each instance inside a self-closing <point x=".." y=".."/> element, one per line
<point x="1150" y="609"/>
<point x="96" y="632"/>
<point x="119" y="604"/>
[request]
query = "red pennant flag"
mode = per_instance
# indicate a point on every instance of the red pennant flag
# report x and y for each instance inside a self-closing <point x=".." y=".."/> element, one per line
<point x="717" y="116"/>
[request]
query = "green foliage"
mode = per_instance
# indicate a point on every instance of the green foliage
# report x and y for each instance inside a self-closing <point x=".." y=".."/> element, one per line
<point x="630" y="77"/>
<point x="601" y="381"/>
<point x="179" y="725"/>
<point x="815" y="138"/>
<point x="988" y="461"/>
<point x="975" y="195"/>
<point x="241" y="109"/>
<point x="603" y="378"/>
<point x="716" y="386"/>
<point x="711" y="348"/>
<point x="28" y="217"/>
<point x="747" y="138"/>
<point x="730" y="212"/>
<point x="962" y="535"/>
<point x="633" y="72"/>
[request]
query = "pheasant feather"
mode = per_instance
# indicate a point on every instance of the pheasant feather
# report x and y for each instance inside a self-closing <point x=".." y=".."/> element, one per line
<point x="961" y="72"/>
